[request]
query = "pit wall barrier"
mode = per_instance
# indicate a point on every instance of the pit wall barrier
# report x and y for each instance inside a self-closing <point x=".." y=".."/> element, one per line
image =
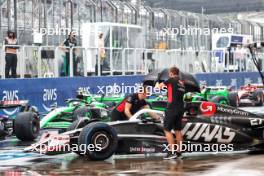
<point x="45" y="92"/>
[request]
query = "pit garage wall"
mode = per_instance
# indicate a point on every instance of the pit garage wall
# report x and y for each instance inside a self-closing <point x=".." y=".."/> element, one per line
<point x="47" y="91"/>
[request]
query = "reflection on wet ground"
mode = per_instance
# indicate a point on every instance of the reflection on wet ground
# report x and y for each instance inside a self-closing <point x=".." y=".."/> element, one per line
<point x="71" y="164"/>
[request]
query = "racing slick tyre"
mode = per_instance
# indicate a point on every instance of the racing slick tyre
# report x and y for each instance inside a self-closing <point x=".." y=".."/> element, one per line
<point x="103" y="139"/>
<point x="26" y="126"/>
<point x="233" y="100"/>
<point x="219" y="100"/>
<point x="258" y="97"/>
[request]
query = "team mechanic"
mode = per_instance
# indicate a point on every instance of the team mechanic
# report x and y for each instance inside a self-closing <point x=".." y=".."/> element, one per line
<point x="130" y="105"/>
<point x="174" y="111"/>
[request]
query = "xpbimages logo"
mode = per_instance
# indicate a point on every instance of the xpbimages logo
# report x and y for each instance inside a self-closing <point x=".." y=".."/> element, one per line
<point x="129" y="89"/>
<point x="55" y="31"/>
<point x="194" y="31"/>
<point x="196" y="147"/>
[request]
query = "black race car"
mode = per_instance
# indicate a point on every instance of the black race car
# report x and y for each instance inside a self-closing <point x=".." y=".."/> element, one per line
<point x="204" y="124"/>
<point x="24" y="125"/>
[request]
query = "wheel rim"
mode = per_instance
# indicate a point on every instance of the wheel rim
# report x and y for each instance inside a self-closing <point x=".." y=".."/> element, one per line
<point x="101" y="139"/>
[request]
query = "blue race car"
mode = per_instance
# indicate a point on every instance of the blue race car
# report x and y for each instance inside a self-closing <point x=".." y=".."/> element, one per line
<point x="25" y="125"/>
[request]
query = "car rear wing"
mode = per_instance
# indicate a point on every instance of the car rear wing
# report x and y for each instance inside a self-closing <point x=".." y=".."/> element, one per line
<point x="13" y="103"/>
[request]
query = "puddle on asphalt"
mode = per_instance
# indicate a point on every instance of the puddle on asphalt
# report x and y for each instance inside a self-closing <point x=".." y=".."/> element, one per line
<point x="74" y="165"/>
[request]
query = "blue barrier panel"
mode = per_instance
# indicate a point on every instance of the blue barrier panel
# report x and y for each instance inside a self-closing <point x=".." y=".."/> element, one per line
<point x="47" y="91"/>
<point x="233" y="79"/>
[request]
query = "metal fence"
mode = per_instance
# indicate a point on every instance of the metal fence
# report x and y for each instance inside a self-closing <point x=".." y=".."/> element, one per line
<point x="51" y="61"/>
<point x="50" y="16"/>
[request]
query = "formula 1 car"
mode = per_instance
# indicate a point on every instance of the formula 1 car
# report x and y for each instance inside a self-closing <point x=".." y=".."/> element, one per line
<point x="84" y="105"/>
<point x="217" y="94"/>
<point x="205" y="124"/>
<point x="62" y="117"/>
<point x="251" y="94"/>
<point x="25" y="125"/>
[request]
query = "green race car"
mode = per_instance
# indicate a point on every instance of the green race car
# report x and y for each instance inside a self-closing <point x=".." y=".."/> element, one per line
<point x="220" y="95"/>
<point x="216" y="94"/>
<point x="84" y="106"/>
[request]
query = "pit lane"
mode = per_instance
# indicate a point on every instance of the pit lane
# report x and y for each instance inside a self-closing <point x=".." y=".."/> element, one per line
<point x="15" y="162"/>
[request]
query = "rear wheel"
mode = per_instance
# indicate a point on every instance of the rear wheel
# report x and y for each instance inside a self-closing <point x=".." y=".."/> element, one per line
<point x="99" y="139"/>
<point x="233" y="100"/>
<point x="258" y="97"/>
<point x="26" y="126"/>
<point x="219" y="100"/>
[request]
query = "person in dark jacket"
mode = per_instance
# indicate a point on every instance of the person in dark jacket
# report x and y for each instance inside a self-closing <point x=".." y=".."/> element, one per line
<point x="70" y="42"/>
<point x="130" y="105"/>
<point x="11" y="55"/>
<point x="174" y="112"/>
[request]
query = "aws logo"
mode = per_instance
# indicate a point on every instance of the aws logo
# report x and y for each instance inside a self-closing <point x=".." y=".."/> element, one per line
<point x="10" y="95"/>
<point x="84" y="89"/>
<point x="49" y="98"/>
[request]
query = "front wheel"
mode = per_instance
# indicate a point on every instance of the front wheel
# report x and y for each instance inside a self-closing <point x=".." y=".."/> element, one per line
<point x="99" y="141"/>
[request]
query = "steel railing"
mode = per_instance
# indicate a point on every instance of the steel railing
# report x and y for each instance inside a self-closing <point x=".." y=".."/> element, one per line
<point x="49" y="61"/>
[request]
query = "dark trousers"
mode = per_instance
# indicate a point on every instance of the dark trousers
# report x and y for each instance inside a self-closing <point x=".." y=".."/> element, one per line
<point x="97" y="69"/>
<point x="11" y="64"/>
<point x="68" y="64"/>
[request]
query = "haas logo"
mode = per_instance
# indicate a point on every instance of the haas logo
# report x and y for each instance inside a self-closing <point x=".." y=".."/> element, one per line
<point x="208" y="109"/>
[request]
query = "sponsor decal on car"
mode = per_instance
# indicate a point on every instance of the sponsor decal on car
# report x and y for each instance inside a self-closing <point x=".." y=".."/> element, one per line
<point x="256" y="122"/>
<point x="142" y="149"/>
<point x="232" y="111"/>
<point x="208" y="133"/>
<point x="208" y="109"/>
